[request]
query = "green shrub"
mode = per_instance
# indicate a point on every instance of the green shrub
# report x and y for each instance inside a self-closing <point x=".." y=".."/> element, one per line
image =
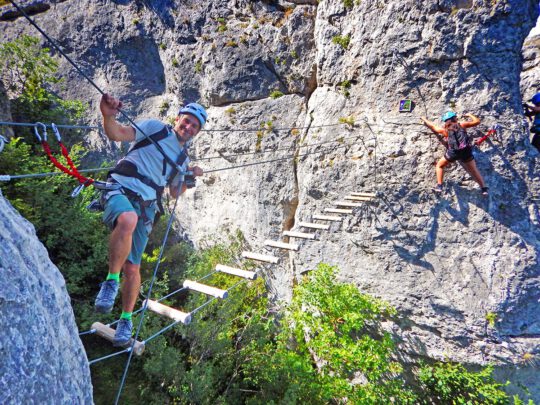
<point x="342" y="41"/>
<point x="276" y="94"/>
<point x="451" y="383"/>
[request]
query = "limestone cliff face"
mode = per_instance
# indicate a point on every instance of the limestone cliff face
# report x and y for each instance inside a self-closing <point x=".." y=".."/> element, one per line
<point x="448" y="264"/>
<point x="43" y="360"/>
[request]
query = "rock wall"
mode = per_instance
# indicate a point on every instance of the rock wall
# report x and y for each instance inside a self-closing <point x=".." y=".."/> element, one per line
<point x="449" y="264"/>
<point x="43" y="359"/>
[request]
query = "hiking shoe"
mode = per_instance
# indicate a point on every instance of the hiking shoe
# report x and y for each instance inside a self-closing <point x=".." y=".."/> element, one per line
<point x="438" y="188"/>
<point x="122" y="335"/>
<point x="105" y="298"/>
<point x="485" y="190"/>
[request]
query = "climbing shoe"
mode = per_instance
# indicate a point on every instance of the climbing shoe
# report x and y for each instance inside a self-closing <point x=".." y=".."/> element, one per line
<point x="438" y="189"/>
<point x="122" y="335"/>
<point x="105" y="298"/>
<point x="485" y="190"/>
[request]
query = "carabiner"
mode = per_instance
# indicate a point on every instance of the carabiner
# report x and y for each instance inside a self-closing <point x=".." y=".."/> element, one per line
<point x="44" y="133"/>
<point x="77" y="190"/>
<point x="56" y="132"/>
<point x="3" y="142"/>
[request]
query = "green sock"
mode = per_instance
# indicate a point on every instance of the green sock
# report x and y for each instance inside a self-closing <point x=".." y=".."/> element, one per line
<point x="115" y="276"/>
<point x="126" y="315"/>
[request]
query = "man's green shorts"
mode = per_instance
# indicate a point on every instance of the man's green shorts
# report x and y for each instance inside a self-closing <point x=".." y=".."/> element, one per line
<point x="120" y="203"/>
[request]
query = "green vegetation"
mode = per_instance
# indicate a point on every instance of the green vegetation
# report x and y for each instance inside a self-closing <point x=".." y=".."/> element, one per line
<point x="345" y="86"/>
<point x="327" y="346"/>
<point x="27" y="71"/>
<point x="491" y="318"/>
<point x="452" y="383"/>
<point x="164" y="106"/>
<point x="347" y="120"/>
<point x="162" y="46"/>
<point x="135" y="21"/>
<point x="175" y="63"/>
<point x="232" y="43"/>
<point x="198" y="66"/>
<point x="342" y="41"/>
<point x="276" y="94"/>
<point x="348" y="3"/>
<point x="294" y="54"/>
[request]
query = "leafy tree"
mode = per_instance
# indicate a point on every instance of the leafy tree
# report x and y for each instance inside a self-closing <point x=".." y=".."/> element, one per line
<point x="452" y="383"/>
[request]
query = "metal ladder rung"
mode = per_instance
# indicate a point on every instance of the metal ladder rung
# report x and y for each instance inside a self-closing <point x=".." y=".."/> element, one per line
<point x="338" y="211"/>
<point x="281" y="245"/>
<point x="327" y="218"/>
<point x="169" y="312"/>
<point x="300" y="235"/>
<point x="314" y="226"/>
<point x="346" y="204"/>
<point x="206" y="289"/>
<point x="355" y="198"/>
<point x="250" y="275"/>
<point x="106" y="332"/>
<point x="261" y="258"/>
<point x="360" y="194"/>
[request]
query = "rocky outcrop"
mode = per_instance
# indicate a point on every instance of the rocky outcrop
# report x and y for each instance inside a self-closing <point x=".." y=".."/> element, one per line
<point x="462" y="269"/>
<point x="43" y="360"/>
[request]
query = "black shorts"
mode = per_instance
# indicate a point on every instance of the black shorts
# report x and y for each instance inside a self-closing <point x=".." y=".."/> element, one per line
<point x="463" y="155"/>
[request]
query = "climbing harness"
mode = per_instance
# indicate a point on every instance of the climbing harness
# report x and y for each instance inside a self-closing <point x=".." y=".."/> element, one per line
<point x="72" y="170"/>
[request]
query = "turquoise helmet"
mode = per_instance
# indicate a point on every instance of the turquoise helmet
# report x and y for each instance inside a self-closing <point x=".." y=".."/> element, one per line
<point x="536" y="98"/>
<point x="448" y="116"/>
<point x="196" y="110"/>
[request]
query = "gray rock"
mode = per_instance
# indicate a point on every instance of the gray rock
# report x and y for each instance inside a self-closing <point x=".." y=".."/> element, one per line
<point x="446" y="263"/>
<point x="43" y="360"/>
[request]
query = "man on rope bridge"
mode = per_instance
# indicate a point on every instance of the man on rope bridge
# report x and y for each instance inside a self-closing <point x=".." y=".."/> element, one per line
<point x="130" y="209"/>
<point x="459" y="147"/>
<point x="534" y="111"/>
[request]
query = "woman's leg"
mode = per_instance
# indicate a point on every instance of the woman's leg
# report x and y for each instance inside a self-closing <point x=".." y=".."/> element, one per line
<point x="470" y="166"/>
<point x="439" y="169"/>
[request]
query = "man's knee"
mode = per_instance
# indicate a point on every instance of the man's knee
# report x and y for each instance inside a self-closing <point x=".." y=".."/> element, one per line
<point x="131" y="270"/>
<point x="127" y="221"/>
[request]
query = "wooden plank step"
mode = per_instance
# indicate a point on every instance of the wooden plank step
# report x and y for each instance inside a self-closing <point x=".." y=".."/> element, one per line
<point x="314" y="226"/>
<point x="261" y="258"/>
<point x="169" y="312"/>
<point x="354" y="198"/>
<point x="250" y="275"/>
<point x="327" y="218"/>
<point x="346" y="204"/>
<point x="338" y="211"/>
<point x="359" y="194"/>
<point x="281" y="245"/>
<point x="107" y="332"/>
<point x="301" y="235"/>
<point x="206" y="289"/>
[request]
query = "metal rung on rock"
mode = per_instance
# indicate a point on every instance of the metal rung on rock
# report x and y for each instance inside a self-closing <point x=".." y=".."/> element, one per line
<point x="205" y="289"/>
<point x="355" y="198"/>
<point x="373" y="195"/>
<point x="107" y="332"/>
<point x="338" y="211"/>
<point x="301" y="235"/>
<point x="169" y="312"/>
<point x="314" y="226"/>
<point x="347" y="204"/>
<point x="281" y="245"/>
<point x="250" y="275"/>
<point x="261" y="258"/>
<point x="327" y="218"/>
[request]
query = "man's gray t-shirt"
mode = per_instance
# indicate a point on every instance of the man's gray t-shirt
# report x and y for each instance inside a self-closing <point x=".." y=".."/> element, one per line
<point x="149" y="161"/>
